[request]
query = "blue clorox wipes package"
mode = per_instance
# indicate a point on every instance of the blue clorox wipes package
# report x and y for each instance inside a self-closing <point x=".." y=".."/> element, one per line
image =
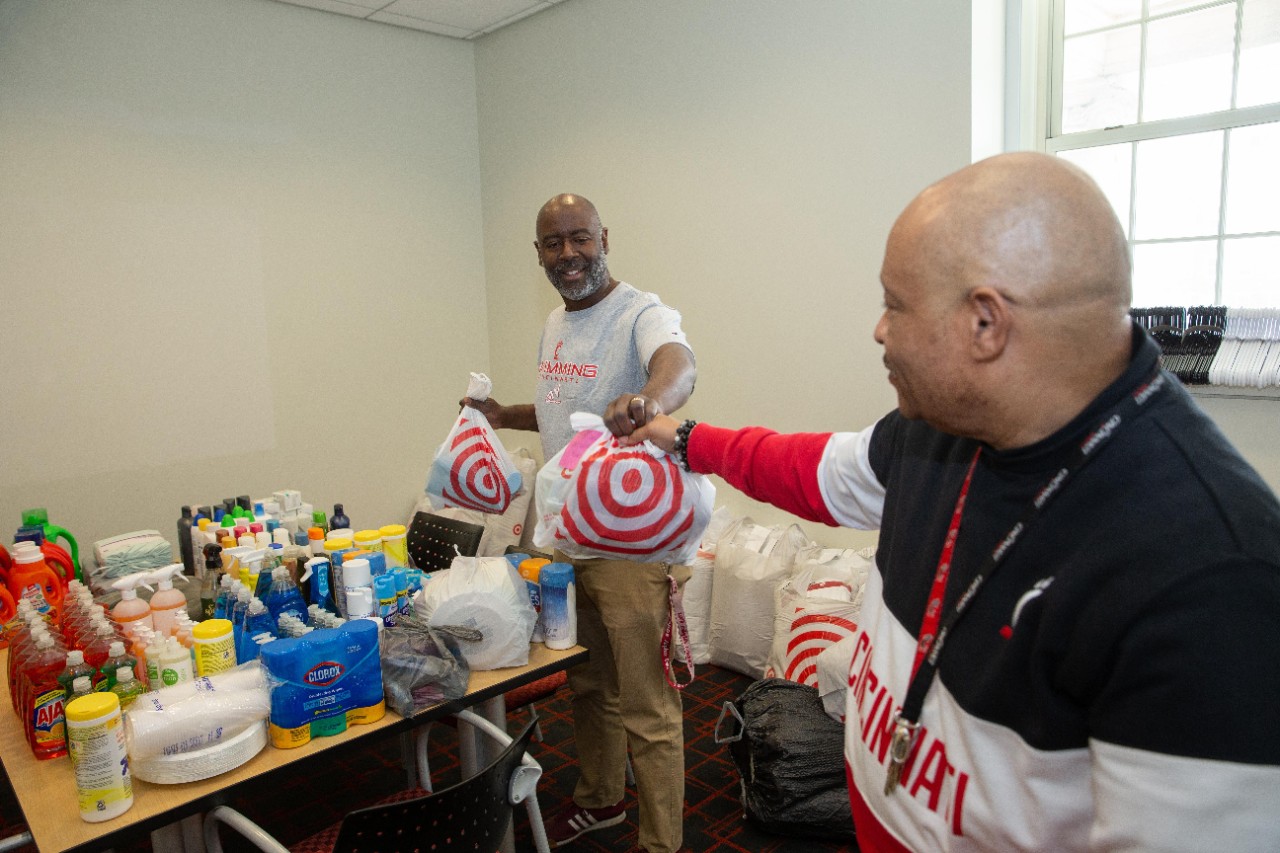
<point x="323" y="682"/>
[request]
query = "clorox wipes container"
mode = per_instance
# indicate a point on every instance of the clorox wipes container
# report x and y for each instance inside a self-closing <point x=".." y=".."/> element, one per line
<point x="323" y="682"/>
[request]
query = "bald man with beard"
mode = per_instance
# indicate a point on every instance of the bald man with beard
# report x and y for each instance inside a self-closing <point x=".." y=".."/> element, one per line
<point x="1067" y="642"/>
<point x="619" y="352"/>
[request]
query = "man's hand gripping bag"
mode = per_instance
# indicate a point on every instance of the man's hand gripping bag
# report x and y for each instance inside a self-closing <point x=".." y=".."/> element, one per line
<point x="472" y="469"/>
<point x="597" y="499"/>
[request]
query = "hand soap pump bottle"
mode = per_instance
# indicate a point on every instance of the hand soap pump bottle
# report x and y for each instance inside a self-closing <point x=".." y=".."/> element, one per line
<point x="167" y="601"/>
<point x="132" y="612"/>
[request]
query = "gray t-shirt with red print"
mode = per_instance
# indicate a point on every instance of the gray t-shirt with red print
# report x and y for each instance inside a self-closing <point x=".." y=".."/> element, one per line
<point x="589" y="357"/>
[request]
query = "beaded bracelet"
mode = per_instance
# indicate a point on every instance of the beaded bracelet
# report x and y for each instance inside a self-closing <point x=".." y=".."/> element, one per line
<point x="681" y="448"/>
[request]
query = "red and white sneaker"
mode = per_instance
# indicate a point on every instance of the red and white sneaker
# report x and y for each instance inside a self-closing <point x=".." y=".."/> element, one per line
<point x="573" y="821"/>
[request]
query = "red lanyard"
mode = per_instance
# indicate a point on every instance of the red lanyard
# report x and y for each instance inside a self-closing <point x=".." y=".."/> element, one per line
<point x="933" y="613"/>
<point x="933" y="630"/>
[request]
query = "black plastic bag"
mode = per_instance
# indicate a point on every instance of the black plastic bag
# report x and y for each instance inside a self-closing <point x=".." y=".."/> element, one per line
<point x="790" y="757"/>
<point x="423" y="665"/>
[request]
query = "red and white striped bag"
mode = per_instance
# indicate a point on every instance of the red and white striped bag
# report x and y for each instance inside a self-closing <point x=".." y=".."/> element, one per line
<point x="471" y="469"/>
<point x="596" y="498"/>
<point x="815" y="608"/>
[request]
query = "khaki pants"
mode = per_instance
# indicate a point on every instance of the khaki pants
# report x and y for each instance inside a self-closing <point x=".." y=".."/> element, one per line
<point x="621" y="698"/>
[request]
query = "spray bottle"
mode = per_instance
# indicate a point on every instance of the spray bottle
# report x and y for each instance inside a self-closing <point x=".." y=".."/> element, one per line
<point x="132" y="612"/>
<point x="209" y="585"/>
<point x="167" y="601"/>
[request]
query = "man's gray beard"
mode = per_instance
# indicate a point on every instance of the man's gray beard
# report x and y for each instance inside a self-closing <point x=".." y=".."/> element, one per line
<point x="597" y="276"/>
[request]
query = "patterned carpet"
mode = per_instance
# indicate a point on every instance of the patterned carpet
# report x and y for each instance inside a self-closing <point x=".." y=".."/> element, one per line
<point x="714" y="821"/>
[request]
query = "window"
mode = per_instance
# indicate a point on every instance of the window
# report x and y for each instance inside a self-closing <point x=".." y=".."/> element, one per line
<point x="1174" y="108"/>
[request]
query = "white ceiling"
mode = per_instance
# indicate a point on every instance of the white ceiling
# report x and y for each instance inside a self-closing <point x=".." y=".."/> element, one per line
<point x="462" y="19"/>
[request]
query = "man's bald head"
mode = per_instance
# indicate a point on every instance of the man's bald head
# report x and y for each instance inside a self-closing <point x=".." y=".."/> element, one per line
<point x="1007" y="291"/>
<point x="1033" y="226"/>
<point x="566" y="203"/>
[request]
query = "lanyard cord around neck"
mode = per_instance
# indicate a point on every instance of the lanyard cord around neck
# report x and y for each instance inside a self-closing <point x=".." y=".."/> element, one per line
<point x="935" y="627"/>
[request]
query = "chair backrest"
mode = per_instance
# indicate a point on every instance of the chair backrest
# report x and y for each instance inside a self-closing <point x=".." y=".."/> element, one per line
<point x="432" y="539"/>
<point x="473" y="815"/>
<point x="516" y="549"/>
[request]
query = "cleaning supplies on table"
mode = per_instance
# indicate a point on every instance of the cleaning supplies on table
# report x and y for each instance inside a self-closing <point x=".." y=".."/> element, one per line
<point x="559" y="606"/>
<point x="139" y="551"/>
<point x="95" y="732"/>
<point x="167" y="601"/>
<point x="215" y="646"/>
<point x="31" y="575"/>
<point x="52" y="533"/>
<point x="323" y="681"/>
<point x="131" y="612"/>
<point x="198" y="729"/>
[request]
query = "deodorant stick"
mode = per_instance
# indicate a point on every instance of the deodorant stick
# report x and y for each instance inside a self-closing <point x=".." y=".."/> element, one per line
<point x="559" y="606"/>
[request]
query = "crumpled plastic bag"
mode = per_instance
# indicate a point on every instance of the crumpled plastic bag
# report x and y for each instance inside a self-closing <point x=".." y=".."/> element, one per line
<point x="424" y="665"/>
<point x="596" y="498"/>
<point x="472" y="469"/>
<point x="488" y="595"/>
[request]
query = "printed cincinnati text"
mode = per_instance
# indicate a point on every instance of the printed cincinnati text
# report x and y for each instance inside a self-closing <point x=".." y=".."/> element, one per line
<point x="927" y="774"/>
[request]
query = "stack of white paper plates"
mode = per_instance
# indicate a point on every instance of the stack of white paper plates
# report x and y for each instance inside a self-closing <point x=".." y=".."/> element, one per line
<point x="202" y="763"/>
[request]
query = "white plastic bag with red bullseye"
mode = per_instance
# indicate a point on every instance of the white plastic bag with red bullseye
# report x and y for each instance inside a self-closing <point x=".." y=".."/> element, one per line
<point x="472" y="469"/>
<point x="597" y="499"/>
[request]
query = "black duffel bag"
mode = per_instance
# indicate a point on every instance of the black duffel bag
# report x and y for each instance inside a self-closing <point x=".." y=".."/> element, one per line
<point x="790" y="757"/>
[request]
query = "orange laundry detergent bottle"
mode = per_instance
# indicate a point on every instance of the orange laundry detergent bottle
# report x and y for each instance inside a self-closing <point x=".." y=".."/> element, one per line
<point x="31" y="577"/>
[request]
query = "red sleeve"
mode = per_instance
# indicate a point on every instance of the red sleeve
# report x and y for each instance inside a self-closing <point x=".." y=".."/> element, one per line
<point x="777" y="469"/>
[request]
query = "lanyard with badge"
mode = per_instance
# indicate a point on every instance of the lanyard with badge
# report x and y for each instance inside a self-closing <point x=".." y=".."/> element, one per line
<point x="934" y="628"/>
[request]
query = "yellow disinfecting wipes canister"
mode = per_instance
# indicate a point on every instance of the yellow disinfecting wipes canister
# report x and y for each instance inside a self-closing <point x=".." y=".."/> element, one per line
<point x="369" y="540"/>
<point x="95" y="739"/>
<point x="394" y="545"/>
<point x="214" y="646"/>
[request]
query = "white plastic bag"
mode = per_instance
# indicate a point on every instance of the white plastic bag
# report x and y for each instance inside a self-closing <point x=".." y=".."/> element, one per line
<point x="500" y="530"/>
<point x="814" y="608"/>
<point x="751" y="561"/>
<point x="597" y="499"/>
<point x="472" y="469"/>
<point x="488" y="594"/>
<point x="697" y="591"/>
<point x="833" y="676"/>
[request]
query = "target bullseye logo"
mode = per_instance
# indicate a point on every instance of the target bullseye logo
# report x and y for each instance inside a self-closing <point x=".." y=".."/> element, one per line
<point x="627" y="502"/>
<point x="475" y="480"/>
<point x="811" y="634"/>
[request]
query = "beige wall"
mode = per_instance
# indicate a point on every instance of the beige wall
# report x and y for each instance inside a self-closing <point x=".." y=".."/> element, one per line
<point x="240" y="251"/>
<point x="748" y="161"/>
<point x="354" y="205"/>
